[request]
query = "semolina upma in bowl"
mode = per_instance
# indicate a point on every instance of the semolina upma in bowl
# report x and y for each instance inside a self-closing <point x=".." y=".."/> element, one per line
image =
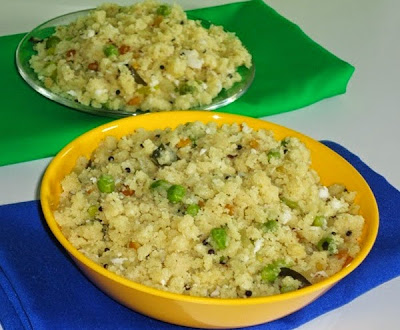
<point x="145" y="57"/>
<point x="208" y="213"/>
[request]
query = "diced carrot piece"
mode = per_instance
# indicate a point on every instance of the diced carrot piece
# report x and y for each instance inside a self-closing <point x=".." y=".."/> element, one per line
<point x="341" y="254"/>
<point x="48" y="82"/>
<point x="347" y="261"/>
<point x="134" y="245"/>
<point x="134" y="101"/>
<point x="157" y="21"/>
<point x="254" y="144"/>
<point x="93" y="66"/>
<point x="127" y="191"/>
<point x="183" y="143"/>
<point x="123" y="49"/>
<point x="230" y="209"/>
<point x="299" y="235"/>
<point x="70" y="52"/>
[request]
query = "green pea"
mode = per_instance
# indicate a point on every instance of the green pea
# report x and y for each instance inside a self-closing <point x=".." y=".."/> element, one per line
<point x="106" y="183"/>
<point x="292" y="204"/>
<point x="270" y="225"/>
<point x="192" y="209"/>
<point x="92" y="210"/>
<point x="327" y="244"/>
<point x="164" y="10"/>
<point x="110" y="50"/>
<point x="270" y="273"/>
<point x="175" y="193"/>
<point x="160" y="185"/>
<point x="274" y="154"/>
<point x="320" y="221"/>
<point x="52" y="42"/>
<point x="220" y="238"/>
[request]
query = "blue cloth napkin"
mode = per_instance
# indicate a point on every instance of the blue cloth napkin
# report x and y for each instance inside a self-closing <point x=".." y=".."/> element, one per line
<point x="41" y="288"/>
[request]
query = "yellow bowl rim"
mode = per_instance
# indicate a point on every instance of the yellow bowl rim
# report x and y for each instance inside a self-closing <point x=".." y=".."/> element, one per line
<point x="202" y="116"/>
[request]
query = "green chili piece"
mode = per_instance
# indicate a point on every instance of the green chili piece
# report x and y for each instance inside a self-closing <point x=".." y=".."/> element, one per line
<point x="244" y="239"/>
<point x="52" y="42"/>
<point x="194" y="140"/>
<point x="192" y="209"/>
<point x="290" y="203"/>
<point x="320" y="221"/>
<point x="285" y="142"/>
<point x="270" y="225"/>
<point x="186" y="89"/>
<point x="106" y="183"/>
<point x="156" y="154"/>
<point x="144" y="90"/>
<point x="160" y="185"/>
<point x="219" y="237"/>
<point x="273" y="154"/>
<point x="223" y="260"/>
<point x="175" y="193"/>
<point x="327" y="244"/>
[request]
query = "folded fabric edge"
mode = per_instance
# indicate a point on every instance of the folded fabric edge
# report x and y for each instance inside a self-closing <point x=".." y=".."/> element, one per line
<point x="12" y="313"/>
<point x="341" y="73"/>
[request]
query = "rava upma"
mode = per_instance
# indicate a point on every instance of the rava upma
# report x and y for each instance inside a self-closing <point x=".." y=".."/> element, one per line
<point x="148" y="56"/>
<point x="209" y="211"/>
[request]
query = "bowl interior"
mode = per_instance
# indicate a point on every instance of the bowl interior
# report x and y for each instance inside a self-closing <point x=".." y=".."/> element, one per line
<point x="331" y="168"/>
<point x="25" y="51"/>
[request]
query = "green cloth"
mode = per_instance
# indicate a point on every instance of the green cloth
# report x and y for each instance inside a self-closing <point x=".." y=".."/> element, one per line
<point x="292" y="71"/>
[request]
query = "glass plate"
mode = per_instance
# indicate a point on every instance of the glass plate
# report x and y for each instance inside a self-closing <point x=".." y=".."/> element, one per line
<point x="25" y="51"/>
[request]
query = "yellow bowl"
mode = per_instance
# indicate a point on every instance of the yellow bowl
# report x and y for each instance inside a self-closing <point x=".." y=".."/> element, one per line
<point x="198" y="311"/>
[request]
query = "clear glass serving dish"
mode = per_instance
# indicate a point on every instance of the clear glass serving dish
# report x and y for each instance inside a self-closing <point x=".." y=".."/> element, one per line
<point x="25" y="51"/>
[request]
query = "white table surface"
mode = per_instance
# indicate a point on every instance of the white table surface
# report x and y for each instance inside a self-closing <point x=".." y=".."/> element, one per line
<point x="365" y="119"/>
